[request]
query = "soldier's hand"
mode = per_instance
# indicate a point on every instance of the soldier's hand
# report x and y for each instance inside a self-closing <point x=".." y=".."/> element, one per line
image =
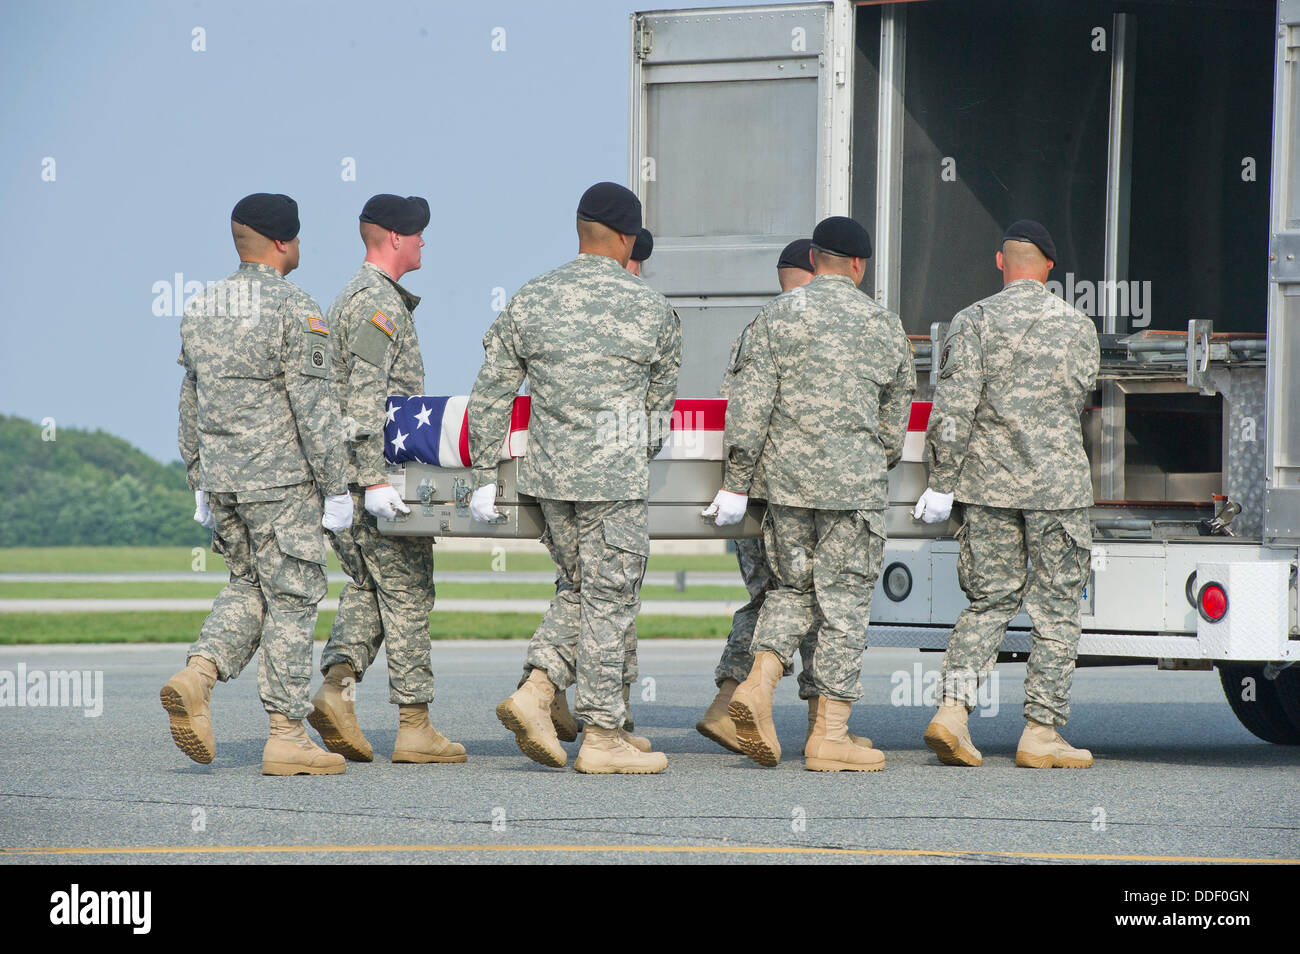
<point x="338" y="513"/>
<point x="202" y="513"/>
<point x="383" y="501"/>
<point x="933" y="507"/>
<point x="729" y="508"/>
<point x="482" y="504"/>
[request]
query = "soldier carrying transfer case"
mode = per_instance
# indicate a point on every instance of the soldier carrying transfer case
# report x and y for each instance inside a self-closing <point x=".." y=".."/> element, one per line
<point x="816" y="416"/>
<point x="1005" y="440"/>
<point x="601" y="351"/>
<point x="566" y="727"/>
<point x="261" y="438"/>
<point x="390" y="594"/>
<point x="794" y="268"/>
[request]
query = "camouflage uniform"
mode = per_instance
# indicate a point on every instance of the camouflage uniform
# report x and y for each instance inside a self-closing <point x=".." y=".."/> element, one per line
<point x="738" y="655"/>
<point x="390" y="595"/>
<point x="751" y="556"/>
<point x="260" y="432"/>
<point x="1005" y="439"/>
<point x="816" y="416"/>
<point x="601" y="351"/>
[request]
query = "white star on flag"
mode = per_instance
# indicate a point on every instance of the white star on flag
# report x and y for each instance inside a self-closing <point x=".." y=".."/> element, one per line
<point x="399" y="442"/>
<point x="423" y="417"/>
<point x="392" y="414"/>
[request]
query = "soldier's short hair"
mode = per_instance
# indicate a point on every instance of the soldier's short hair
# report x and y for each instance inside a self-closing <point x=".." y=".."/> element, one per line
<point x="594" y="232"/>
<point x="247" y="241"/>
<point x="373" y="235"/>
<point x="1022" y="254"/>
<point x="824" y="261"/>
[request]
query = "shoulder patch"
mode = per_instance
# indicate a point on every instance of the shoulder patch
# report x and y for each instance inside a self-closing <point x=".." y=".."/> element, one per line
<point x="371" y="343"/>
<point x="738" y="352"/>
<point x="316" y="359"/>
<point x="944" y="370"/>
<point x="318" y="325"/>
<point x="384" y="323"/>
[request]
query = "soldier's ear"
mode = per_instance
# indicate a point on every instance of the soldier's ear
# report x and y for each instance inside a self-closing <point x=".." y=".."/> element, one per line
<point x="999" y="261"/>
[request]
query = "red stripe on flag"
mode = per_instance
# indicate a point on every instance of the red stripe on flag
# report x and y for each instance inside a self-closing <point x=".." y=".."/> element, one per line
<point x="700" y="415"/>
<point x="520" y="412"/>
<point x="920" y="418"/>
<point x="463" y="443"/>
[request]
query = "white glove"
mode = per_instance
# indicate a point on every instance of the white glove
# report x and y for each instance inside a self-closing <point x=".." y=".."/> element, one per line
<point x="933" y="507"/>
<point x="338" y="513"/>
<point x="482" y="504"/>
<point x="383" y="501"/>
<point x="729" y="507"/>
<point x="202" y="513"/>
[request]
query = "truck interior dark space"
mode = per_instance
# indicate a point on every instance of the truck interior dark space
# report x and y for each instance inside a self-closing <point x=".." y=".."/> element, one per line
<point x="1008" y="115"/>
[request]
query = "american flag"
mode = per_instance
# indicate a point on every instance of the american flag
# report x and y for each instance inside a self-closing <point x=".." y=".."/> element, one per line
<point x="435" y="430"/>
<point x="429" y="429"/>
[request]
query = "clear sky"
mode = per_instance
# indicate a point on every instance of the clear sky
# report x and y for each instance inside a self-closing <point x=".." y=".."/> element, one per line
<point x="152" y="142"/>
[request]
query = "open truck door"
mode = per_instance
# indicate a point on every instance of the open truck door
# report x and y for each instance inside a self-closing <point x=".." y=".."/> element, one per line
<point x="740" y="143"/>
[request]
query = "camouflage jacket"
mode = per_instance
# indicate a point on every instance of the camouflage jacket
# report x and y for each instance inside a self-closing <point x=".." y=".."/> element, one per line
<point x="376" y="353"/>
<point x="600" y="350"/>
<point x="257" y="409"/>
<point x="820" y="396"/>
<point x="1014" y="373"/>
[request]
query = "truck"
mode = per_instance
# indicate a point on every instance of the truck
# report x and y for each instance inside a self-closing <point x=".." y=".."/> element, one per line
<point x="1155" y="140"/>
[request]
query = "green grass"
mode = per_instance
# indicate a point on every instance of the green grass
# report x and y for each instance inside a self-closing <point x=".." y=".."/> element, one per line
<point x="27" y="628"/>
<point x="181" y="559"/>
<point x="447" y="591"/>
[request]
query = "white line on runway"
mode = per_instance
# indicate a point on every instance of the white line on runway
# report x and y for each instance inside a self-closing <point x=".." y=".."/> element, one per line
<point x="648" y="607"/>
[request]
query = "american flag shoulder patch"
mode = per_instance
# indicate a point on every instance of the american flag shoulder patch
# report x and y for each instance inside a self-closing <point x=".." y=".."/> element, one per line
<point x="384" y="323"/>
<point x="318" y="325"/>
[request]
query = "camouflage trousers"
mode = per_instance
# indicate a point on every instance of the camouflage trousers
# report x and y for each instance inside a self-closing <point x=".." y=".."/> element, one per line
<point x="386" y="603"/>
<point x="599" y="549"/>
<point x="1038" y="559"/>
<point x="826" y="563"/>
<point x="738" y="655"/>
<point x="275" y="549"/>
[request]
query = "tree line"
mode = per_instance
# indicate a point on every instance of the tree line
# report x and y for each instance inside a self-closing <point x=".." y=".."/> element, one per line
<point x="89" y="488"/>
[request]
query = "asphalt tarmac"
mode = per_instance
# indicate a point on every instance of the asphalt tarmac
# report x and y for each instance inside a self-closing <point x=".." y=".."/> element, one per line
<point x="1176" y="777"/>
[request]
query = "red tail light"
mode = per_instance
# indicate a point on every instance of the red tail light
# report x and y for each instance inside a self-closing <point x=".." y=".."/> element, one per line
<point x="1213" y="602"/>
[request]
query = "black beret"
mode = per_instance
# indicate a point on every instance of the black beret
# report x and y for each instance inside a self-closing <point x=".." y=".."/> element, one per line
<point x="841" y="235"/>
<point x="403" y="216"/>
<point x="643" y="246"/>
<point x="796" y="255"/>
<point x="611" y="204"/>
<point x="1027" y="230"/>
<point x="272" y="215"/>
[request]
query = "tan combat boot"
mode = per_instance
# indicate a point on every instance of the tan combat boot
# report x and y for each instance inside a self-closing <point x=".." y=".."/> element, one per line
<point x="638" y="742"/>
<point x="607" y="752"/>
<point x="418" y="741"/>
<point x="335" y="719"/>
<point x="527" y="714"/>
<point x="289" y="751"/>
<point x="829" y="748"/>
<point x="185" y="696"/>
<point x="948" y="734"/>
<point x="751" y="709"/>
<point x="861" y="740"/>
<point x="717" y="724"/>
<point x="565" y="726"/>
<point x="1041" y="746"/>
